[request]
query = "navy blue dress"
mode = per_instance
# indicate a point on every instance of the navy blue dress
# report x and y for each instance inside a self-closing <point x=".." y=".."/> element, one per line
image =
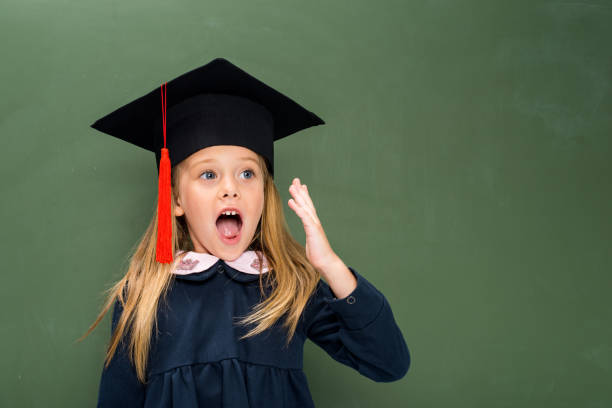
<point x="196" y="359"/>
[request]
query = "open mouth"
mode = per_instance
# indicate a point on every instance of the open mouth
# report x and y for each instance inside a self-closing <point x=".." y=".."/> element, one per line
<point x="229" y="228"/>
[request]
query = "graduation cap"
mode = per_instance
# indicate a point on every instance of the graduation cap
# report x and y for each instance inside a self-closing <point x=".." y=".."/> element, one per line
<point x="215" y="104"/>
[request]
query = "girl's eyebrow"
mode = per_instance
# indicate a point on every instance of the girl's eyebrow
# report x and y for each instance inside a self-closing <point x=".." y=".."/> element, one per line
<point x="214" y="160"/>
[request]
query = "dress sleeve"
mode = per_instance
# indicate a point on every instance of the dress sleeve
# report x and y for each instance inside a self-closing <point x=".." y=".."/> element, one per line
<point x="119" y="385"/>
<point x="358" y="330"/>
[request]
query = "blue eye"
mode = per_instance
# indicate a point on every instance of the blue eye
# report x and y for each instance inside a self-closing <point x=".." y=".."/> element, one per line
<point x="249" y="171"/>
<point x="206" y="172"/>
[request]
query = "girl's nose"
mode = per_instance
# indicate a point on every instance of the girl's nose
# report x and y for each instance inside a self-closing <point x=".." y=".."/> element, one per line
<point x="229" y="189"/>
<point x="234" y="194"/>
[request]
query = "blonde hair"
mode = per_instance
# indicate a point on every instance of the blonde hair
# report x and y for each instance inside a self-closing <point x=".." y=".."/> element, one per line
<point x="291" y="277"/>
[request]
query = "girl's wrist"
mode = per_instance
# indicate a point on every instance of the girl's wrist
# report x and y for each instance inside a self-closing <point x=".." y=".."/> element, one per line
<point x="332" y="262"/>
<point x="339" y="278"/>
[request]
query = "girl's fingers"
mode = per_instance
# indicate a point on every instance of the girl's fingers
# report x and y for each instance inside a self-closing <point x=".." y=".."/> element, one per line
<point x="308" y="199"/>
<point x="304" y="199"/>
<point x="311" y="209"/>
<point x="303" y="193"/>
<point x="300" y="211"/>
<point x="300" y="198"/>
<point x="294" y="206"/>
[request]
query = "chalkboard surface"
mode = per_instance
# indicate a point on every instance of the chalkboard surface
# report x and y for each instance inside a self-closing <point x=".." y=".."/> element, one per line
<point x="464" y="169"/>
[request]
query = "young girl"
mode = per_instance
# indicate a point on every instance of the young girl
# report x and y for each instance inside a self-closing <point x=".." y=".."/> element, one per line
<point x="218" y="298"/>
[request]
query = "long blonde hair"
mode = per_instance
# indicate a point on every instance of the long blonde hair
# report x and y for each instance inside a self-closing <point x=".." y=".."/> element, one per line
<point x="291" y="277"/>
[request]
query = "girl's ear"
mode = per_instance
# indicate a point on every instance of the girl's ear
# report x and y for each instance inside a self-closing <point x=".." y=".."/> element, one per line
<point x="178" y="210"/>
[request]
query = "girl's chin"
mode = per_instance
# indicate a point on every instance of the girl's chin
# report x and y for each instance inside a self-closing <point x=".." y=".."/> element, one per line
<point x="229" y="253"/>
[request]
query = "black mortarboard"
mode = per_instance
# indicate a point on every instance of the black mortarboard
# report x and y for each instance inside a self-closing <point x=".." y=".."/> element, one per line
<point x="215" y="104"/>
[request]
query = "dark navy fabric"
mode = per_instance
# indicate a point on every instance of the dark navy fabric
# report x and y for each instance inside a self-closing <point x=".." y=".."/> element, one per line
<point x="196" y="359"/>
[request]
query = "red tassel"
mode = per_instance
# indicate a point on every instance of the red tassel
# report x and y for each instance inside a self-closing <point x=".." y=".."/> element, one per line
<point x="164" y="222"/>
<point x="163" y="250"/>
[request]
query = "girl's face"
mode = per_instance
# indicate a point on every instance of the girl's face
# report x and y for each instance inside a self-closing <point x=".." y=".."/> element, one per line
<point x="211" y="180"/>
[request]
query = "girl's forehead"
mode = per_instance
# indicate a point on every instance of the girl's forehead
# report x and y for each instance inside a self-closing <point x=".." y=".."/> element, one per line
<point x="220" y="153"/>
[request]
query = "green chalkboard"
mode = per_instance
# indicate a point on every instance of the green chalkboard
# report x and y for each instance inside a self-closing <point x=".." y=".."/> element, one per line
<point x="464" y="169"/>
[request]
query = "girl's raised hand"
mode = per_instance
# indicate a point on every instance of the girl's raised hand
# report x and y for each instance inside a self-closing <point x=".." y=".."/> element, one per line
<point x="318" y="250"/>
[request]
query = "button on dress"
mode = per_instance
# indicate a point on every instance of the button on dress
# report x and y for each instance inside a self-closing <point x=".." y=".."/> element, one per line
<point x="196" y="359"/>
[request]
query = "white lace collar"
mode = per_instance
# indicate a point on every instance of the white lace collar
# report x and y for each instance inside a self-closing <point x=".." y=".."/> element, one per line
<point x="194" y="262"/>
